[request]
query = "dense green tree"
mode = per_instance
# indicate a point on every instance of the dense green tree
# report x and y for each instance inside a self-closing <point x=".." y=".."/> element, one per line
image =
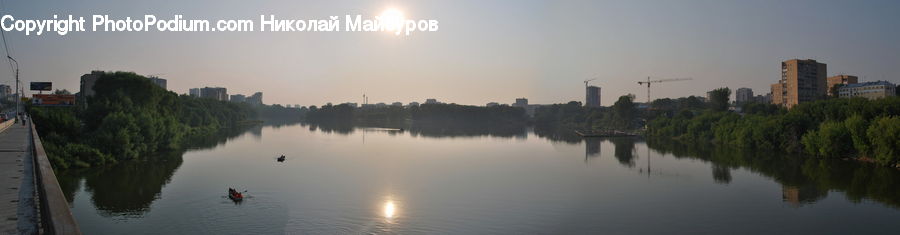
<point x="718" y="98"/>
<point x="857" y="127"/>
<point x="129" y="117"/>
<point x="854" y="127"/>
<point x="884" y="134"/>
<point x="624" y="111"/>
<point x="832" y="139"/>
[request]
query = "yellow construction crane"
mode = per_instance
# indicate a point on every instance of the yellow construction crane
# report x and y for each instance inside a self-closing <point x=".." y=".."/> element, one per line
<point x="648" y="82"/>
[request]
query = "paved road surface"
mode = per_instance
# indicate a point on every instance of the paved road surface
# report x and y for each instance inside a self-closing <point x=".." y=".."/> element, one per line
<point x="17" y="210"/>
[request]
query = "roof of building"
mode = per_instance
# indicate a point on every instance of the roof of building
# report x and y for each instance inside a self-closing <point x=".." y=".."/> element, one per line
<point x="863" y="84"/>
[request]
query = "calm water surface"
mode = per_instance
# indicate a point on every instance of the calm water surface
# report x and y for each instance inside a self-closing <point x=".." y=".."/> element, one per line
<point x="371" y="180"/>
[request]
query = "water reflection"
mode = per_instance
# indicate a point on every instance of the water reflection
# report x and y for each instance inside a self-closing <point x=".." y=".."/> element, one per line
<point x="721" y="174"/>
<point x="445" y="130"/>
<point x="800" y="195"/>
<point x="804" y="179"/>
<point x="126" y="189"/>
<point x="558" y="135"/>
<point x="389" y="210"/>
<point x="129" y="188"/>
<point x="624" y="150"/>
<point x="592" y="148"/>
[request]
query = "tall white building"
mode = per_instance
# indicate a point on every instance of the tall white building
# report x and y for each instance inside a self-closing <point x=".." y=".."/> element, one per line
<point x="158" y="81"/>
<point x="195" y="92"/>
<point x="743" y="95"/>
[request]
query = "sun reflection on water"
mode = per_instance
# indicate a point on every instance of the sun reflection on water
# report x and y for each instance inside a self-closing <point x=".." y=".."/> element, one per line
<point x="390" y="210"/>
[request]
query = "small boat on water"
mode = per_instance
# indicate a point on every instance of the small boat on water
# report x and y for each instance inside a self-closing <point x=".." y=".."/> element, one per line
<point x="234" y="195"/>
<point x="281" y="159"/>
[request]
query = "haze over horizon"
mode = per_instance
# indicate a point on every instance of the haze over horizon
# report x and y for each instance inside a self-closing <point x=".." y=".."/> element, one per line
<point x="484" y="52"/>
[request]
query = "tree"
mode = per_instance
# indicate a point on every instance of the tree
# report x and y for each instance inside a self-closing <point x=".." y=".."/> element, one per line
<point x="830" y="140"/>
<point x="127" y="118"/>
<point x="858" y="126"/>
<point x="624" y="111"/>
<point x="718" y="98"/>
<point x="884" y="135"/>
<point x="690" y="103"/>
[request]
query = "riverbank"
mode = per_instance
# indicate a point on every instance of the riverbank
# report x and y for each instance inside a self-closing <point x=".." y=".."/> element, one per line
<point x="833" y="128"/>
<point x="129" y="117"/>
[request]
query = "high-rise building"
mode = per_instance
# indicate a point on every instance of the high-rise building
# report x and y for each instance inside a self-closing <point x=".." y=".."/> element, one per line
<point x="88" y="81"/>
<point x="743" y="95"/>
<point x="869" y="90"/>
<point x="521" y="102"/>
<point x="238" y="98"/>
<point x="765" y="99"/>
<point x="6" y="92"/>
<point x="158" y="81"/>
<point x="801" y="81"/>
<point x="216" y="93"/>
<point x="592" y="96"/>
<point x="255" y="99"/>
<point x="86" y="87"/>
<point x="840" y="79"/>
<point x="195" y="92"/>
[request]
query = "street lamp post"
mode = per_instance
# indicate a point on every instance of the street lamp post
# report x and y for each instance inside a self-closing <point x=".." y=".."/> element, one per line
<point x="17" y="87"/>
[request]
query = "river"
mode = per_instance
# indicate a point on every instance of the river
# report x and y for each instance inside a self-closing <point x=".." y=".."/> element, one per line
<point x="455" y="181"/>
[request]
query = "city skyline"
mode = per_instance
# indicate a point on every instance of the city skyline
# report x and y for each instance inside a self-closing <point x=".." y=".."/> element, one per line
<point x="539" y="50"/>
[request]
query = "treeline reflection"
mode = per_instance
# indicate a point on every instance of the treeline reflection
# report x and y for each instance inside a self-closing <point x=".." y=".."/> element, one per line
<point x="129" y="188"/>
<point x="804" y="179"/>
<point x="443" y="130"/>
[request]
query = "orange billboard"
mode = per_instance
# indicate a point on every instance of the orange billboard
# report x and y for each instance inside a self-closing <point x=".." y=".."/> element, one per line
<point x="60" y="100"/>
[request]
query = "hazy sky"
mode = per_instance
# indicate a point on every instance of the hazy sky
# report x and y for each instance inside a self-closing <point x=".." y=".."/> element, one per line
<point x="485" y="50"/>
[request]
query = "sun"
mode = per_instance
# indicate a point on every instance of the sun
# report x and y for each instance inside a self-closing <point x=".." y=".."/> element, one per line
<point x="392" y="19"/>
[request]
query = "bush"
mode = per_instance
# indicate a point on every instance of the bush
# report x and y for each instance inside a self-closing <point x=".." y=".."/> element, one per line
<point x="827" y="128"/>
<point x="884" y="134"/>
<point x="127" y="118"/>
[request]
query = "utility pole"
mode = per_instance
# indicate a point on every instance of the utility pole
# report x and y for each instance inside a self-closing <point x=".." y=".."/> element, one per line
<point x="18" y="99"/>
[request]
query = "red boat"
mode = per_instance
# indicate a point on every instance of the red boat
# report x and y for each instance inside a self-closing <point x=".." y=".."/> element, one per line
<point x="234" y="195"/>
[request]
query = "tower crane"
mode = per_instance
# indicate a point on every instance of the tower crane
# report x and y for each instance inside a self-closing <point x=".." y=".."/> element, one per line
<point x="589" y="80"/>
<point x="648" y="82"/>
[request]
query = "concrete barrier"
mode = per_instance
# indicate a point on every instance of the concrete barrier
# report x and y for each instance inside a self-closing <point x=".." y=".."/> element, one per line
<point x="56" y="217"/>
<point x="6" y="124"/>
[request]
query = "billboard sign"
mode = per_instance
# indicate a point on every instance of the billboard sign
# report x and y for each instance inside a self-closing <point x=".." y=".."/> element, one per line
<point x="41" y="86"/>
<point x="53" y="100"/>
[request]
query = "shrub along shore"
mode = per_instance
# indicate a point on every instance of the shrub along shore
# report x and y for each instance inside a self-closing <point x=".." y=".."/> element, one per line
<point x="130" y="118"/>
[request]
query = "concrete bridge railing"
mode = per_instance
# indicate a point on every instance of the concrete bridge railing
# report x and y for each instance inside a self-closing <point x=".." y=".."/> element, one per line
<point x="56" y="217"/>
